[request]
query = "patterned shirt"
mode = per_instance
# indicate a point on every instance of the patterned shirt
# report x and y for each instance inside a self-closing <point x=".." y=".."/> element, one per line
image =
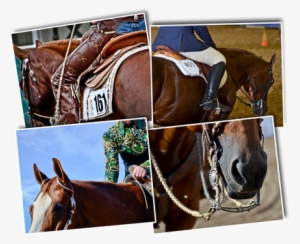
<point x="132" y="144"/>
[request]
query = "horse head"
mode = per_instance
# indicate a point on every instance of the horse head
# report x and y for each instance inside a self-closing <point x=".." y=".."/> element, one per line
<point x="258" y="85"/>
<point x="38" y="66"/>
<point x="240" y="158"/>
<point x="51" y="208"/>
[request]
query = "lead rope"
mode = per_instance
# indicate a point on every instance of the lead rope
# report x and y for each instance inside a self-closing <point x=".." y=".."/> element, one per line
<point x="56" y="114"/>
<point x="173" y="197"/>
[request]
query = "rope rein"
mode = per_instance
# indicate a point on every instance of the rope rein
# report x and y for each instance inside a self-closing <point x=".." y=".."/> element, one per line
<point x="57" y="114"/>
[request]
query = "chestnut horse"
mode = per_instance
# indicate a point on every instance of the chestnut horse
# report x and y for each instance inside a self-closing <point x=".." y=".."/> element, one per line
<point x="70" y="204"/>
<point x="131" y="95"/>
<point x="176" y="98"/>
<point x="180" y="153"/>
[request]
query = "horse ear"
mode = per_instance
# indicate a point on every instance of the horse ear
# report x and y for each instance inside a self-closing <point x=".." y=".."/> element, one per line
<point x="21" y="54"/>
<point x="38" y="43"/>
<point x="60" y="173"/>
<point x="273" y="59"/>
<point x="39" y="176"/>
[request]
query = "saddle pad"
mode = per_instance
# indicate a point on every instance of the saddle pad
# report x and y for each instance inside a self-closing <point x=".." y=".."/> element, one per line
<point x="98" y="103"/>
<point x="189" y="68"/>
<point x="186" y="66"/>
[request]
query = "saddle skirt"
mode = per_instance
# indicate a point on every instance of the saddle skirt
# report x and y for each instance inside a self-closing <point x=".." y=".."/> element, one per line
<point x="187" y="66"/>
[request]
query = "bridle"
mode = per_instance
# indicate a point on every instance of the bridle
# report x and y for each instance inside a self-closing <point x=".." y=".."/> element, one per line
<point x="26" y="70"/>
<point x="260" y="102"/>
<point x="209" y="137"/>
<point x="72" y="199"/>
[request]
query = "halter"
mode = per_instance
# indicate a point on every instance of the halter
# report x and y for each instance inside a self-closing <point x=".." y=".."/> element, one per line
<point x="259" y="103"/>
<point x="73" y="204"/>
<point x="209" y="136"/>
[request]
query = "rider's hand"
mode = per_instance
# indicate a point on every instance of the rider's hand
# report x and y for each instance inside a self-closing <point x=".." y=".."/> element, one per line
<point x="139" y="172"/>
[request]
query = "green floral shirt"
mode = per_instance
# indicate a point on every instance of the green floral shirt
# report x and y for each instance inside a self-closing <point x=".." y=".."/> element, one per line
<point x="132" y="140"/>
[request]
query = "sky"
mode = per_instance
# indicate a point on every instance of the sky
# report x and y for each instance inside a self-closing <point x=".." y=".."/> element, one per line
<point x="79" y="148"/>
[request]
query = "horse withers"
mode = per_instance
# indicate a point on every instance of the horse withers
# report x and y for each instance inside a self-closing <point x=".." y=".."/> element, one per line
<point x="70" y="204"/>
<point x="229" y="157"/>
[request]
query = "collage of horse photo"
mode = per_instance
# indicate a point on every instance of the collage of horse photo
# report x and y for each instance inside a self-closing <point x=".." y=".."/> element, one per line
<point x="126" y="122"/>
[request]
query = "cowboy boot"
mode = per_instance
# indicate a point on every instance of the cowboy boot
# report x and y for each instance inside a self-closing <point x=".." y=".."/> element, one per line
<point x="214" y="78"/>
<point x="77" y="62"/>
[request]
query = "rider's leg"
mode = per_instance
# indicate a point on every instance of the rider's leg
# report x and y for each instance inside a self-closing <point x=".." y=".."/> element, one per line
<point x="77" y="62"/>
<point x="216" y="78"/>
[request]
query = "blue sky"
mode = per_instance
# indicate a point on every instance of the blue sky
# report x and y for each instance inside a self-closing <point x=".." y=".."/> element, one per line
<point x="79" y="148"/>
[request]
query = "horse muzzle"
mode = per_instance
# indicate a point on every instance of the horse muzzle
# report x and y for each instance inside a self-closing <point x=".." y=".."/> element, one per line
<point x="243" y="178"/>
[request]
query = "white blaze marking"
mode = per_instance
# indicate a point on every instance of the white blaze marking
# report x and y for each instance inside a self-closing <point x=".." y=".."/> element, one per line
<point x="39" y="208"/>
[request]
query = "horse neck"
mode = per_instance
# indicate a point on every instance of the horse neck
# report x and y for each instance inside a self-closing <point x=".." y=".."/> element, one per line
<point x="241" y="64"/>
<point x="93" y="200"/>
<point x="171" y="146"/>
<point x="61" y="46"/>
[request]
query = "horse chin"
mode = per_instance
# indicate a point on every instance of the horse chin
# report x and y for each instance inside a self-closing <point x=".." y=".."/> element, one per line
<point x="236" y="195"/>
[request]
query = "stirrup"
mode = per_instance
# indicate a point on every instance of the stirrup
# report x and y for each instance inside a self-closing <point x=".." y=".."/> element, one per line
<point x="214" y="104"/>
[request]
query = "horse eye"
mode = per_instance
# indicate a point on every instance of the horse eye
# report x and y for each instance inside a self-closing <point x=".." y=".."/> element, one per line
<point x="58" y="207"/>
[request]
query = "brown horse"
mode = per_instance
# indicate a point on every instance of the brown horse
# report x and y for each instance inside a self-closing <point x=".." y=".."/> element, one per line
<point x="70" y="204"/>
<point x="131" y="95"/>
<point x="176" y="98"/>
<point x="180" y="152"/>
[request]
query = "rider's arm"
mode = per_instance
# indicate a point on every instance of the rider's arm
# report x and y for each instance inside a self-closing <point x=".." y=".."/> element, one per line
<point x="111" y="158"/>
<point x="204" y="34"/>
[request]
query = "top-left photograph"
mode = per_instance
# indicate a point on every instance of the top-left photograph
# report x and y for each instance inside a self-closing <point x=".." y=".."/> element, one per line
<point x="84" y="72"/>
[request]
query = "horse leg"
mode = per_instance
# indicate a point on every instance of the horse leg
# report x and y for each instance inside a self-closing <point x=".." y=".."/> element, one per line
<point x="132" y="88"/>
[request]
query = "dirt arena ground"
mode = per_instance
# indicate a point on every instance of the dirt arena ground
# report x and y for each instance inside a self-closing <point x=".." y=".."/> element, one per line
<point x="270" y="209"/>
<point x="237" y="36"/>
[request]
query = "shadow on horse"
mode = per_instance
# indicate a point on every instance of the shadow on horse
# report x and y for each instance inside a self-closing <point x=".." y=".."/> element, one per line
<point x="177" y="98"/>
<point x="229" y="152"/>
<point x="131" y="94"/>
<point x="70" y="204"/>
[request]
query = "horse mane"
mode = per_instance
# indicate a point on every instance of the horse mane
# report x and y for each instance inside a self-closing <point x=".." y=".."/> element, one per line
<point x="235" y="52"/>
<point x="60" y="46"/>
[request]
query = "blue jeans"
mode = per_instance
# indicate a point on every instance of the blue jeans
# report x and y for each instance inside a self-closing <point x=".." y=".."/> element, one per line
<point x="126" y="27"/>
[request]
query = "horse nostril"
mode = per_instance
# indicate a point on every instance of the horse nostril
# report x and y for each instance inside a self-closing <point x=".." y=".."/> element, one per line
<point x="236" y="172"/>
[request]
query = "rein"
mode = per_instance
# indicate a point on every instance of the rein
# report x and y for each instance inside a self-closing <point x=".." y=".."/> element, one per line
<point x="55" y="120"/>
<point x="252" y="103"/>
<point x="209" y="137"/>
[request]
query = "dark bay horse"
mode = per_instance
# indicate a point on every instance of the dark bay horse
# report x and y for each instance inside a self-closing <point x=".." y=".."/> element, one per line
<point x="132" y="87"/>
<point x="176" y="98"/>
<point x="240" y="165"/>
<point x="69" y="204"/>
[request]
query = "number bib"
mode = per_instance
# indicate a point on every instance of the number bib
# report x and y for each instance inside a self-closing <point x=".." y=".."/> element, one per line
<point x="99" y="101"/>
<point x="189" y="66"/>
